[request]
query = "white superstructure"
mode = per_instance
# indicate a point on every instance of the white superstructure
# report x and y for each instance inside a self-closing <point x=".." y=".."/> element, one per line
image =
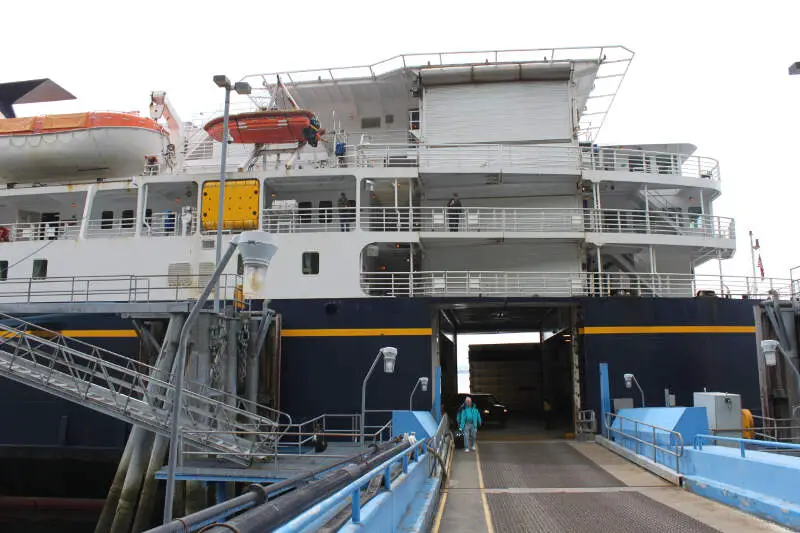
<point x="545" y="210"/>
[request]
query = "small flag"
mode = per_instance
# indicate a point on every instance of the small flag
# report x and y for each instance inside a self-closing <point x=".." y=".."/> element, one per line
<point x="760" y="266"/>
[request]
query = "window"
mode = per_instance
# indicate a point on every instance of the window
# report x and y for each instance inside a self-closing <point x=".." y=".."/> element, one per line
<point x="39" y="269"/>
<point x="240" y="266"/>
<point x="3" y="270"/>
<point x="128" y="218"/>
<point x="389" y="119"/>
<point x="370" y="122"/>
<point x="310" y="263"/>
<point x="107" y="220"/>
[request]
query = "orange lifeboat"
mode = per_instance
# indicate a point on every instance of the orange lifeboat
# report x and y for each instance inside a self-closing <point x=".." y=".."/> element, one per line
<point x="101" y="144"/>
<point x="269" y="127"/>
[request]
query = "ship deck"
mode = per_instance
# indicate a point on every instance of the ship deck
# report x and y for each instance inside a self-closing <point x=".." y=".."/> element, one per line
<point x="537" y="483"/>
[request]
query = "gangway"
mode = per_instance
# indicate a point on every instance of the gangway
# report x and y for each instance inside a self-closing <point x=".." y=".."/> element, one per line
<point x="126" y="389"/>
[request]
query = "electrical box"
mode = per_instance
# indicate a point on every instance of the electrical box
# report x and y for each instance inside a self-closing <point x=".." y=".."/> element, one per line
<point x="724" y="413"/>
<point x="241" y="205"/>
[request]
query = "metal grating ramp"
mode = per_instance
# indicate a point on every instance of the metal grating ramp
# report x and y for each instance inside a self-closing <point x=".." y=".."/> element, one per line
<point x="540" y="465"/>
<point x="588" y="512"/>
<point x="128" y="390"/>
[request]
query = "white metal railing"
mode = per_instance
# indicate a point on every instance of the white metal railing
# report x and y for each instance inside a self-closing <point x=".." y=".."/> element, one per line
<point x="565" y="284"/>
<point x="308" y="220"/>
<point x="538" y="220"/>
<point x="649" y="162"/>
<point x="129" y="289"/>
<point x="41" y="231"/>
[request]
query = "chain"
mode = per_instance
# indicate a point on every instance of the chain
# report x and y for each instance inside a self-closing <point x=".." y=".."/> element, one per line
<point x="217" y="349"/>
<point x="243" y="340"/>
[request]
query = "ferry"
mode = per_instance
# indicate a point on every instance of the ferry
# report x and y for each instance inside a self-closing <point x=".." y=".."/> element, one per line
<point x="413" y="200"/>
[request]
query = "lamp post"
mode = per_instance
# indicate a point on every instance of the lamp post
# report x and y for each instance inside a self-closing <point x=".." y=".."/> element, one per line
<point x="423" y="382"/>
<point x="241" y="87"/>
<point x="257" y="249"/>
<point x="629" y="380"/>
<point x="389" y="357"/>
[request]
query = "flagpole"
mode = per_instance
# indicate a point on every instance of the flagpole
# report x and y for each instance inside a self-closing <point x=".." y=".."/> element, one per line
<point x="753" y="262"/>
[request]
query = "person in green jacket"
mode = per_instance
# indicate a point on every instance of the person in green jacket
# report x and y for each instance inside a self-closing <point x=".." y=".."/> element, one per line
<point x="469" y="420"/>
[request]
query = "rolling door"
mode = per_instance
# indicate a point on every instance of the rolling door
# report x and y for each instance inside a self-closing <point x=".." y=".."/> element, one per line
<point x="496" y="113"/>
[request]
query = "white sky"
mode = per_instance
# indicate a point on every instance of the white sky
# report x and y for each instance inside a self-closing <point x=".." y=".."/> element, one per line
<point x="706" y="72"/>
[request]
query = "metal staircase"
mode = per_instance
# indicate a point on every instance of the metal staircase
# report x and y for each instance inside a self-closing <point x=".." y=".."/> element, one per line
<point x="115" y="385"/>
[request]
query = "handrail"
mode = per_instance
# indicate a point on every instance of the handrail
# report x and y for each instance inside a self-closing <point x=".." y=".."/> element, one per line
<point x="353" y="490"/>
<point x="677" y="452"/>
<point x="649" y="162"/>
<point x="514" y="283"/>
<point x="698" y="443"/>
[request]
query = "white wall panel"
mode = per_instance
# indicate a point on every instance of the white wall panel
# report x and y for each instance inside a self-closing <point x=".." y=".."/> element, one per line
<point x="497" y="112"/>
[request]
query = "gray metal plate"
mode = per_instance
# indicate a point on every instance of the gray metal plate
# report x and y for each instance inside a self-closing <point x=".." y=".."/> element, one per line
<point x="540" y="465"/>
<point x="601" y="512"/>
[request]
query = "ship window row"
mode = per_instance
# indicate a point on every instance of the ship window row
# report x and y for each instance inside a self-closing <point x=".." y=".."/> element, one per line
<point x="310" y="263"/>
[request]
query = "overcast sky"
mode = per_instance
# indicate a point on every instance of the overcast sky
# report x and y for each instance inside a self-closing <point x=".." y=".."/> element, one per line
<point x="705" y="72"/>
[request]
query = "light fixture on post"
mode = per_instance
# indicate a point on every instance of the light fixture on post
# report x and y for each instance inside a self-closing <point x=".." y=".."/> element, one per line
<point x="257" y="249"/>
<point x="630" y="379"/>
<point x="389" y="355"/>
<point x="770" y="347"/>
<point x="241" y="87"/>
<point x="423" y="384"/>
<point x="794" y="68"/>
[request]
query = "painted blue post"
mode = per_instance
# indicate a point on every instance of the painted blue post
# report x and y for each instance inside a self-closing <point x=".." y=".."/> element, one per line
<point x="222" y="494"/>
<point x="605" y="396"/>
<point x="405" y="463"/>
<point x="387" y="477"/>
<point x="437" y="395"/>
<point x="356" y="505"/>
<point x="741" y="445"/>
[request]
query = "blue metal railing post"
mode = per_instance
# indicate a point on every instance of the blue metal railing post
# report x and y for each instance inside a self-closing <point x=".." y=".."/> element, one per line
<point x="356" y="505"/>
<point x="405" y="463"/>
<point x="387" y="477"/>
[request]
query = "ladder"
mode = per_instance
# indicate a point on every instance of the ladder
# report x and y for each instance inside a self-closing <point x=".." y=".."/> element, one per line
<point x="118" y="386"/>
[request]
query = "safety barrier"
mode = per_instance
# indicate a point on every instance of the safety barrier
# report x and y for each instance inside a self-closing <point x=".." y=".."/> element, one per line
<point x="673" y="448"/>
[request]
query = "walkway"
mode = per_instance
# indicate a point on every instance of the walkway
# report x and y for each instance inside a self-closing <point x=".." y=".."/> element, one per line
<point x="555" y="485"/>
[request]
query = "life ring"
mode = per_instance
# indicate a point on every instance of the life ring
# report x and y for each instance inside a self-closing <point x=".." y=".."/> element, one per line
<point x="5" y="235"/>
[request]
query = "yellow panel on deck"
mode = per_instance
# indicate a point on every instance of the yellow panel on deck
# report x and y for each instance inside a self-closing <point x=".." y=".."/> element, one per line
<point x="241" y="205"/>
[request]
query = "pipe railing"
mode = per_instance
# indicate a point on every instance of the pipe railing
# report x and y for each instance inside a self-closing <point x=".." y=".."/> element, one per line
<point x="130" y="289"/>
<point x="744" y="443"/>
<point x="560" y="284"/>
<point x="649" y="162"/>
<point x="675" y="438"/>
<point x="530" y="220"/>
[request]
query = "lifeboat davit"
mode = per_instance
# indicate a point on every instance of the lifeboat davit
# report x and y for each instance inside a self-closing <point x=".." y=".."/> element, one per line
<point x="268" y="127"/>
<point x="78" y="145"/>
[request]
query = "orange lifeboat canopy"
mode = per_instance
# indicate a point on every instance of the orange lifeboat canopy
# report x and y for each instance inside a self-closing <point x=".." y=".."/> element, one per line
<point x="263" y="127"/>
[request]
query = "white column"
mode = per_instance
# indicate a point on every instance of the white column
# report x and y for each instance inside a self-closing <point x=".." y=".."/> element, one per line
<point x="359" y="184"/>
<point x="141" y="205"/>
<point x="647" y="208"/>
<point x="87" y="210"/>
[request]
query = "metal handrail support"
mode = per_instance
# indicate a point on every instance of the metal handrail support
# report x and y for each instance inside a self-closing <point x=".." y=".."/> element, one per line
<point x="698" y="443"/>
<point x="677" y="452"/>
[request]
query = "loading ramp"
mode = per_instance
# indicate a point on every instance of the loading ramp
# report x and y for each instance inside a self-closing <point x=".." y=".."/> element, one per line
<point x="558" y="485"/>
<point x="121" y="387"/>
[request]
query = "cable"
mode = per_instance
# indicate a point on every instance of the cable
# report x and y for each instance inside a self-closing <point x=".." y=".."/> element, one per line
<point x="210" y="526"/>
<point x="32" y="254"/>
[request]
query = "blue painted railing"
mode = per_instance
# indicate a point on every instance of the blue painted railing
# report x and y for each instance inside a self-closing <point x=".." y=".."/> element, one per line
<point x="698" y="443"/>
<point x="353" y="490"/>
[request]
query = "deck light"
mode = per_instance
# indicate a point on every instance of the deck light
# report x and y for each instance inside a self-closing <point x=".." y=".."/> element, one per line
<point x="421" y="383"/>
<point x="630" y="379"/>
<point x="222" y="81"/>
<point x="389" y="354"/>
<point x="794" y="68"/>
<point x="769" y="347"/>
<point x="242" y="87"/>
<point x="257" y="249"/>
